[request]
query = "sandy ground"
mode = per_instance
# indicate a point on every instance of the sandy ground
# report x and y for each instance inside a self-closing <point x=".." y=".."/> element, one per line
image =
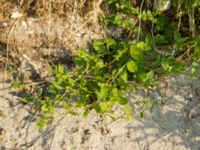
<point x="175" y="125"/>
<point x="29" y="37"/>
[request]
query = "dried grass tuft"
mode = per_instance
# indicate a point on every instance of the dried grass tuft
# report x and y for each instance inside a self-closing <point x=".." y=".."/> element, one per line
<point x="48" y="30"/>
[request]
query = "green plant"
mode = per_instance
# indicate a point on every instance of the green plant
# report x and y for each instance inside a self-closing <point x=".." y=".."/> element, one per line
<point x="100" y="77"/>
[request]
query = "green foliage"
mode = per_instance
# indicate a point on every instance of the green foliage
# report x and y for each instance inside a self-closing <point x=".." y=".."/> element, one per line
<point x="132" y="66"/>
<point x="17" y="84"/>
<point x="100" y="76"/>
<point x="99" y="79"/>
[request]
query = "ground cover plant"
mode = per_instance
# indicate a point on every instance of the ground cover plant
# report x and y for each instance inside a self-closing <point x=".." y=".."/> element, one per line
<point x="155" y="39"/>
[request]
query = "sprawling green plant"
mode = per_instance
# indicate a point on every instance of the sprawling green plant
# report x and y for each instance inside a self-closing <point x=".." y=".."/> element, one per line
<point x="153" y="46"/>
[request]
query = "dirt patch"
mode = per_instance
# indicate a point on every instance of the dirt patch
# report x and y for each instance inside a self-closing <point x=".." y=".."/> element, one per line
<point x="173" y="125"/>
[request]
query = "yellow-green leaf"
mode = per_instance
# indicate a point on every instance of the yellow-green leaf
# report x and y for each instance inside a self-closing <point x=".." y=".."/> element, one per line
<point x="135" y="52"/>
<point x="132" y="66"/>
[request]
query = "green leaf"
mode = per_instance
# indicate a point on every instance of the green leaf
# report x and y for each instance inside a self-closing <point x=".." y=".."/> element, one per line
<point x="81" y="53"/>
<point x="197" y="50"/>
<point x="86" y="113"/>
<point x="149" y="77"/>
<point x="16" y="84"/>
<point x="141" y="114"/>
<point x="177" y="36"/>
<point x="28" y="99"/>
<point x="57" y="85"/>
<point x="124" y="75"/>
<point x="44" y="108"/>
<point x="161" y="39"/>
<point x="60" y="69"/>
<point x="100" y="64"/>
<point x="97" y="108"/>
<point x="150" y="15"/>
<point x="178" y="67"/>
<point x="142" y="46"/>
<point x="117" y="20"/>
<point x="167" y="67"/>
<point x="71" y="81"/>
<point x="123" y="101"/>
<point x="120" y="54"/>
<point x="114" y="94"/>
<point x="104" y="106"/>
<point x="53" y="90"/>
<point x="162" y="23"/>
<point x="132" y="66"/>
<point x="104" y="91"/>
<point x="111" y="43"/>
<point x="127" y="110"/>
<point x="195" y="66"/>
<point x="99" y="46"/>
<point x="41" y="122"/>
<point x="136" y="53"/>
<point x="80" y="61"/>
<point x="149" y="40"/>
<point x="81" y="101"/>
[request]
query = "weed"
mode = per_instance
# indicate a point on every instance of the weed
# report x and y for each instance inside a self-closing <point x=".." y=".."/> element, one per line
<point x="100" y="76"/>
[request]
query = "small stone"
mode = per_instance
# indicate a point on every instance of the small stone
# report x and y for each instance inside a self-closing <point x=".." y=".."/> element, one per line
<point x="30" y="21"/>
<point x="24" y="24"/>
<point x="16" y="15"/>
<point x="81" y="35"/>
<point x="3" y="23"/>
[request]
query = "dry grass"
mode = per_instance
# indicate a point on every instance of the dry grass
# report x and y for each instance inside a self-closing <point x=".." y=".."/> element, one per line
<point x="47" y="30"/>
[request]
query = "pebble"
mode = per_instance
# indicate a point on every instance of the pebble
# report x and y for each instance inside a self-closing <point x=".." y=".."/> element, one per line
<point x="24" y="24"/>
<point x="16" y="15"/>
<point x="4" y="23"/>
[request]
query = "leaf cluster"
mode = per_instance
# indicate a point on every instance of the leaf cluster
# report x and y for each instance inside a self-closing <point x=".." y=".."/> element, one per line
<point x="100" y="76"/>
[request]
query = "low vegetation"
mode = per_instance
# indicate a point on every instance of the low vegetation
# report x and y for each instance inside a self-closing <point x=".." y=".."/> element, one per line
<point x="155" y="39"/>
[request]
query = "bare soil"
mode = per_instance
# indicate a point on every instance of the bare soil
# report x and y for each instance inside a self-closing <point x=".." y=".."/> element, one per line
<point x="172" y="126"/>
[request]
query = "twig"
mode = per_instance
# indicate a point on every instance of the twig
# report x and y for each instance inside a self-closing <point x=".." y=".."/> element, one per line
<point x="163" y="135"/>
<point x="120" y="70"/>
<point x="84" y="24"/>
<point x="7" y="47"/>
<point x="26" y="135"/>
<point x="49" y="29"/>
<point x="140" y="20"/>
<point x="115" y="119"/>
<point x="191" y="21"/>
<point x="3" y="147"/>
<point x="52" y="141"/>
<point x="185" y="53"/>
<point x="166" y="133"/>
